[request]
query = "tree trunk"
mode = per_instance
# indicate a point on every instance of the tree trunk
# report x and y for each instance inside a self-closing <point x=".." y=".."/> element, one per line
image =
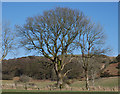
<point x="93" y="79"/>
<point x="60" y="80"/>
<point x="93" y="82"/>
<point x="87" y="80"/>
<point x="59" y="77"/>
<point x="25" y="86"/>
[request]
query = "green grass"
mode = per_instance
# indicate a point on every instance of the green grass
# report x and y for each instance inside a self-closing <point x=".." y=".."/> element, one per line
<point x="78" y="84"/>
<point x="11" y="90"/>
<point x="104" y="82"/>
<point x="108" y="82"/>
<point x="44" y="84"/>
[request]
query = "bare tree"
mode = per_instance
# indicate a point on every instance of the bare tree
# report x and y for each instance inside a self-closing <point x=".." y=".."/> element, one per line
<point x="0" y="52"/>
<point x="90" y="43"/>
<point x="94" y="68"/>
<point x="53" y="35"/>
<point x="8" y="40"/>
<point x="0" y="42"/>
<point x="96" y="65"/>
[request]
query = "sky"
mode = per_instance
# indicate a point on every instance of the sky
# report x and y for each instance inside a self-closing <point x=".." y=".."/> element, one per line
<point x="104" y="13"/>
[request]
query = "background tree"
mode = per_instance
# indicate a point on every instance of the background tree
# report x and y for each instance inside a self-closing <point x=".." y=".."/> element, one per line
<point x="8" y="39"/>
<point x="7" y="42"/>
<point x="0" y="50"/>
<point x="97" y="64"/>
<point x="0" y="41"/>
<point x="53" y="35"/>
<point x="90" y="43"/>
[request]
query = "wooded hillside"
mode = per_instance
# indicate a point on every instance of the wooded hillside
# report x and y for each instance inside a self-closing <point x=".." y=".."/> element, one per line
<point x="41" y="68"/>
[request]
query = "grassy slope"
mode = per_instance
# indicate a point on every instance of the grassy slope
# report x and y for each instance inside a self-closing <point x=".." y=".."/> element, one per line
<point x="103" y="82"/>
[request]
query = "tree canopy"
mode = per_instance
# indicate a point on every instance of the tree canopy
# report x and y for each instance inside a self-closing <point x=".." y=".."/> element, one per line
<point x="55" y="35"/>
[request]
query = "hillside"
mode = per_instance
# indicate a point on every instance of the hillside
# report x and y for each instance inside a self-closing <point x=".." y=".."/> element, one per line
<point x="112" y="69"/>
<point x="41" y="68"/>
<point x="35" y="67"/>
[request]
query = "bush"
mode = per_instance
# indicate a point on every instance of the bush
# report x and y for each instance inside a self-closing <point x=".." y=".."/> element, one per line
<point x="7" y="77"/>
<point x="24" y="79"/>
<point x="105" y="74"/>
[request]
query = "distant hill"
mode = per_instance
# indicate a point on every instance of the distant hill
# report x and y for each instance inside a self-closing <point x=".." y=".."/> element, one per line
<point x="39" y="67"/>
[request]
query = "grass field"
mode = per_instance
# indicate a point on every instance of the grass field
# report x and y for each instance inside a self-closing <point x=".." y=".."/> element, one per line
<point x="103" y="82"/>
<point x="111" y="82"/>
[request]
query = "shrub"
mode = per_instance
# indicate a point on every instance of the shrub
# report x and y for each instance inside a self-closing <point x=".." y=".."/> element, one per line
<point x="105" y="74"/>
<point x="24" y="79"/>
